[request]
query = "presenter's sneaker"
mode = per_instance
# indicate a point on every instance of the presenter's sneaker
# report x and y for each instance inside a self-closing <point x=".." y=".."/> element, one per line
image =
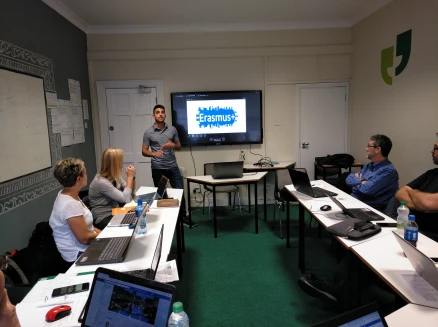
<point x="318" y="288"/>
<point x="189" y="223"/>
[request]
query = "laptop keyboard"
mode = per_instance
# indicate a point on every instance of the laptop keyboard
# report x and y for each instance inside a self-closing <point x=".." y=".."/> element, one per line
<point x="320" y="192"/>
<point x="147" y="273"/>
<point x="114" y="248"/>
<point x="362" y="215"/>
<point x="128" y="219"/>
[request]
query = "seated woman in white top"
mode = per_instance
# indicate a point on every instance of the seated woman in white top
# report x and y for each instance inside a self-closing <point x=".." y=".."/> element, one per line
<point x="108" y="189"/>
<point x="71" y="221"/>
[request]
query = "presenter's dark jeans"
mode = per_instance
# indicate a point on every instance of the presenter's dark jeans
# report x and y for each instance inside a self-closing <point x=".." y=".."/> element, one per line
<point x="175" y="181"/>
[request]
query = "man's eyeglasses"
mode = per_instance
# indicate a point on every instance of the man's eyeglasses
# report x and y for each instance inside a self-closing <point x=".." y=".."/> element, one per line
<point x="372" y="146"/>
<point x="435" y="148"/>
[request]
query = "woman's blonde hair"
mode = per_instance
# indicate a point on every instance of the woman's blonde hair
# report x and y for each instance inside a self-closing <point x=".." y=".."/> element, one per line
<point x="67" y="171"/>
<point x="111" y="164"/>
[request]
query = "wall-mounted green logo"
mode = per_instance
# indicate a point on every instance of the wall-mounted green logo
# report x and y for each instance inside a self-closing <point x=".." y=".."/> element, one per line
<point x="387" y="57"/>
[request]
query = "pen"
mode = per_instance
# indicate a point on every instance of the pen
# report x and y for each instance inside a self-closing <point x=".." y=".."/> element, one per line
<point x="47" y="304"/>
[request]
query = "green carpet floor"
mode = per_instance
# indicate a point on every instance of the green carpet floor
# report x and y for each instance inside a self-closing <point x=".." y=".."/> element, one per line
<point x="245" y="279"/>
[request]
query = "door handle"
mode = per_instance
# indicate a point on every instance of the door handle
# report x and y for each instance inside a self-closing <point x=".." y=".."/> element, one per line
<point x="305" y="145"/>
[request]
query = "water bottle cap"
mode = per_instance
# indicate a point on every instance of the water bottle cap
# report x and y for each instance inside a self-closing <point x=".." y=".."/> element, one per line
<point x="403" y="203"/>
<point x="140" y="201"/>
<point x="178" y="307"/>
<point x="411" y="217"/>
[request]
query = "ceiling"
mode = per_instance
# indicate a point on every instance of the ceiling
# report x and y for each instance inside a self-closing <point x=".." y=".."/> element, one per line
<point x="173" y="16"/>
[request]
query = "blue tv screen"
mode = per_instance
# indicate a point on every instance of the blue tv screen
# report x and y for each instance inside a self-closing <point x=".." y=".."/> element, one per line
<point x="218" y="117"/>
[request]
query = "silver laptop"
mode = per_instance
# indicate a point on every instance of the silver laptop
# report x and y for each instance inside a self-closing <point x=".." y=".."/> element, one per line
<point x="423" y="265"/>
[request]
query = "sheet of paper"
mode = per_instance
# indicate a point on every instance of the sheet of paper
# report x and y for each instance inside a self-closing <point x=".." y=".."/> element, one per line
<point x="56" y="125"/>
<point x="66" y="134"/>
<point x="64" y="112"/>
<point x="428" y="295"/>
<point x="85" y="109"/>
<point x="167" y="272"/>
<point x="52" y="100"/>
<point x="75" y="91"/>
<point x="78" y="133"/>
<point x="76" y="110"/>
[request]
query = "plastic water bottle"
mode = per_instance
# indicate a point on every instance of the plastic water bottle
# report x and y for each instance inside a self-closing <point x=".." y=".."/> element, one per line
<point x="411" y="231"/>
<point x="141" y="230"/>
<point x="402" y="217"/>
<point x="139" y="208"/>
<point x="178" y="318"/>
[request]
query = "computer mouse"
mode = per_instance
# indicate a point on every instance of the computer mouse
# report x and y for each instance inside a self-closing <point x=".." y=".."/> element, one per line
<point x="326" y="207"/>
<point x="58" y="312"/>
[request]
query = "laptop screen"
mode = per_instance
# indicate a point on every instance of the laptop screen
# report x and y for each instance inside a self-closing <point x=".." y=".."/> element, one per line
<point x="121" y="302"/>
<point x="367" y="315"/>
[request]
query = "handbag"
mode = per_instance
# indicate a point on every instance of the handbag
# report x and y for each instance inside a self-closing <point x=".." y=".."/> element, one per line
<point x="354" y="229"/>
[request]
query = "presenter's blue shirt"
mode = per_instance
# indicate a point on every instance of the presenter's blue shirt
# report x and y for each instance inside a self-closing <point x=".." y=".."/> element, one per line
<point x="381" y="183"/>
<point x="155" y="138"/>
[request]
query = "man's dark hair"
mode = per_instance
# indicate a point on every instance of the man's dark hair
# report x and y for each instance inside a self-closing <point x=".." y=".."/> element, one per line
<point x="383" y="142"/>
<point x="159" y="106"/>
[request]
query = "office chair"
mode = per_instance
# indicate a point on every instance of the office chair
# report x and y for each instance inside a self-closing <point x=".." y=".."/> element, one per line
<point x="330" y="175"/>
<point x="282" y="178"/>
<point x="208" y="170"/>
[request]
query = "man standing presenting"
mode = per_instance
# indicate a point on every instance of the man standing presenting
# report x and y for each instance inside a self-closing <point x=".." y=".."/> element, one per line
<point x="163" y="141"/>
<point x="421" y="197"/>
<point x="377" y="182"/>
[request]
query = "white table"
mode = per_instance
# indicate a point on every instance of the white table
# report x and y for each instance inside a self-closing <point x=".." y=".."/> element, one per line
<point x="413" y="315"/>
<point x="248" y="178"/>
<point x="326" y="218"/>
<point x="385" y="257"/>
<point x="281" y="165"/>
<point x="142" y="247"/>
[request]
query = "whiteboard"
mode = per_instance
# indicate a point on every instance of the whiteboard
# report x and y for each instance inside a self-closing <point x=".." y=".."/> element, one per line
<point x="24" y="133"/>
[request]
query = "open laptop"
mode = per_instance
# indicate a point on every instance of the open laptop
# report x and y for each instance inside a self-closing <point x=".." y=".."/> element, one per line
<point x="301" y="182"/>
<point x="150" y="273"/>
<point x="107" y="250"/>
<point x="359" y="213"/>
<point x="367" y="315"/>
<point x="423" y="265"/>
<point x="118" y="299"/>
<point x="232" y="169"/>
<point x="161" y="193"/>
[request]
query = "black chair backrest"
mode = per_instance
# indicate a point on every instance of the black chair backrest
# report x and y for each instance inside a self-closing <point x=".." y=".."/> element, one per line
<point x="282" y="178"/>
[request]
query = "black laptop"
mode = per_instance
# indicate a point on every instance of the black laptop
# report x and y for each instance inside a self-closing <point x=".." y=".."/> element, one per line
<point x="150" y="273"/>
<point x="367" y="315"/>
<point x="119" y="299"/>
<point x="161" y="193"/>
<point x="301" y="182"/>
<point x="359" y="213"/>
<point x="107" y="250"/>
<point x="223" y="170"/>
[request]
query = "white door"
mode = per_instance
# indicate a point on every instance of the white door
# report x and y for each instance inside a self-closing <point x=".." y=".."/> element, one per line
<point x="129" y="115"/>
<point x="323" y="122"/>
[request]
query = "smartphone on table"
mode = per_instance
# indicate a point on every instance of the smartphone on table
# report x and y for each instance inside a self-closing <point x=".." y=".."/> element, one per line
<point x="61" y="291"/>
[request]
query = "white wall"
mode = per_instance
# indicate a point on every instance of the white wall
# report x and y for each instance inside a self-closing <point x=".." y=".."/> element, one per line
<point x="271" y="61"/>
<point x="406" y="111"/>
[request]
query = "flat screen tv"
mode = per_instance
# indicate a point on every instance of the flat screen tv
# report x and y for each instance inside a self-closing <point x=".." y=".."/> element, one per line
<point x="218" y="117"/>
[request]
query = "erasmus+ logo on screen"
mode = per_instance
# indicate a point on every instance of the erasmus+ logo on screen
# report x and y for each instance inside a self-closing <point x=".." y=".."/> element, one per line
<point x="403" y="49"/>
<point x="216" y="117"/>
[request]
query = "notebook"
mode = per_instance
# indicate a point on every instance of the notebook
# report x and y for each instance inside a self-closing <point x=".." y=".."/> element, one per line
<point x="359" y="213"/>
<point x="232" y="169"/>
<point x="150" y="273"/>
<point x="161" y="193"/>
<point x="301" y="182"/>
<point x="423" y="265"/>
<point x="367" y="315"/>
<point x="118" y="299"/>
<point x="107" y="250"/>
